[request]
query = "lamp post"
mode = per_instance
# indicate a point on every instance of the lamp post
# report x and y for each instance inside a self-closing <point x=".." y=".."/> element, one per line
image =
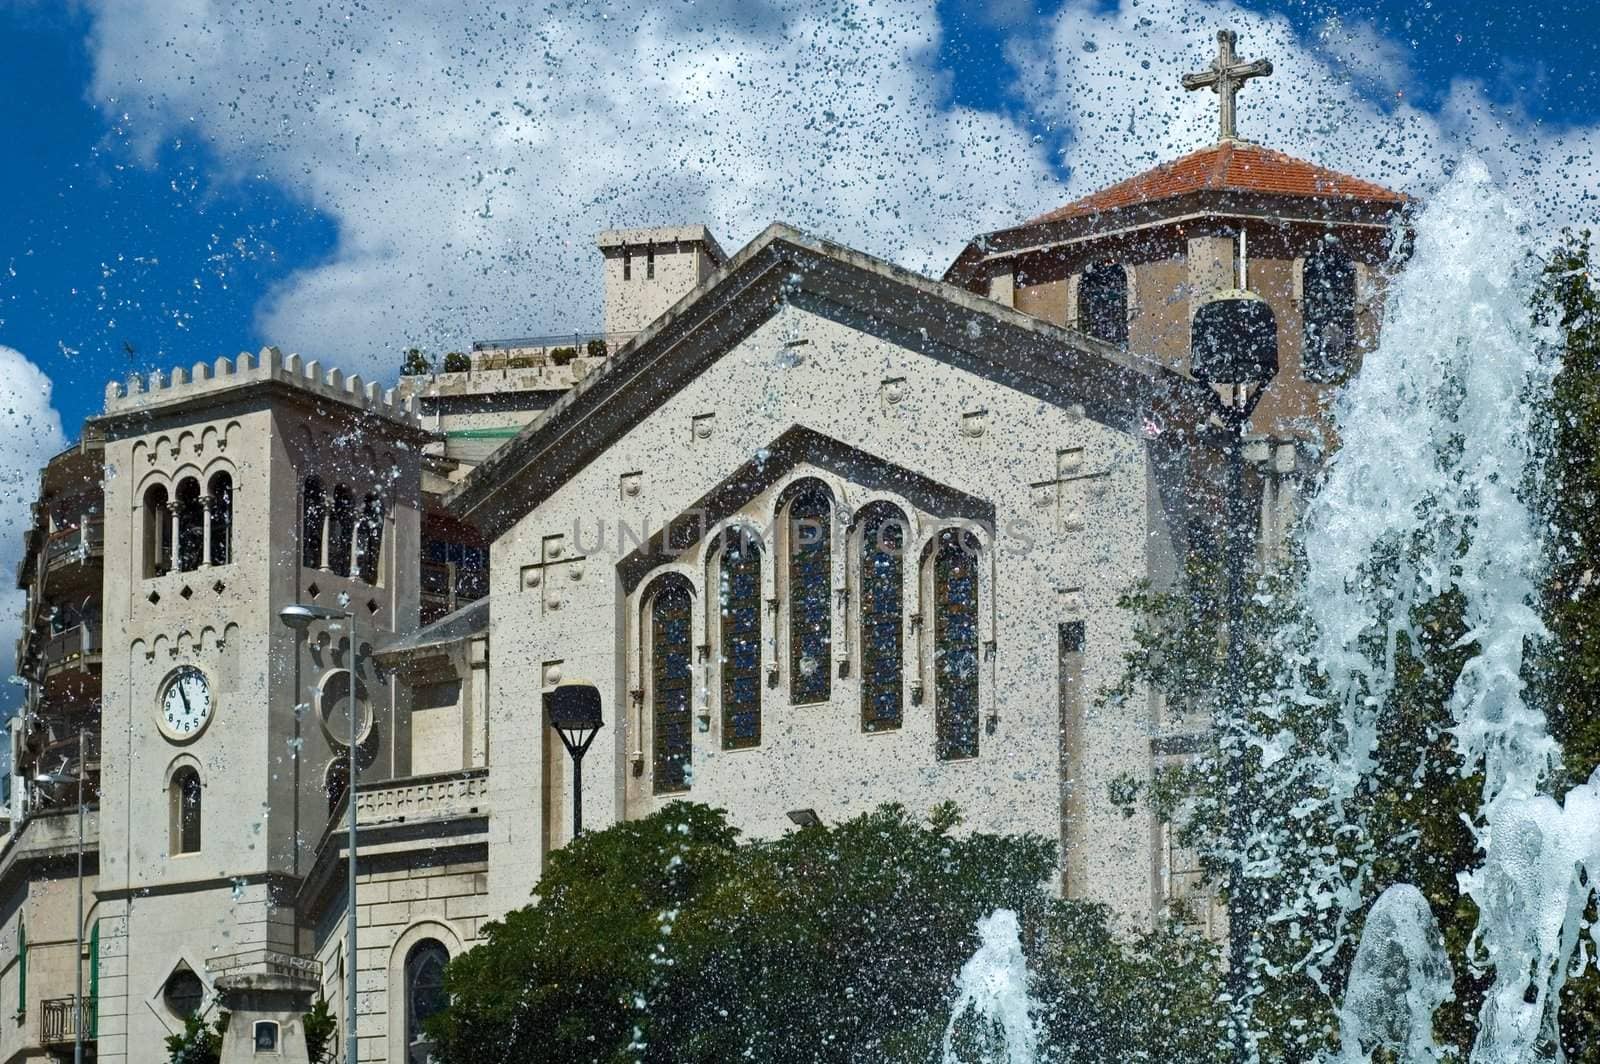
<point x="574" y="712"/>
<point x="77" y="968"/>
<point x="299" y="618"/>
<point x="1234" y="343"/>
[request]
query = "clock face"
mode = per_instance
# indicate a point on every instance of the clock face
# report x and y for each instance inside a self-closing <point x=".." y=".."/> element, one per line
<point x="185" y="705"/>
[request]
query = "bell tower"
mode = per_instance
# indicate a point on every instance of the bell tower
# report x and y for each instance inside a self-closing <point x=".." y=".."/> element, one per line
<point x="234" y="489"/>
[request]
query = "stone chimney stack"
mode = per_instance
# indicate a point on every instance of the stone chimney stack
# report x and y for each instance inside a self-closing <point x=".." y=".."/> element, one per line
<point x="648" y="270"/>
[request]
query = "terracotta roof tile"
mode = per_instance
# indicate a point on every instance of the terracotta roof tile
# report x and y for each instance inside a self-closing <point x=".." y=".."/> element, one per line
<point x="1230" y="166"/>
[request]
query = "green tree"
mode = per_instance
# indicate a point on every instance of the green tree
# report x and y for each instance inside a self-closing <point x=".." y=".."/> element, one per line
<point x="416" y="363"/>
<point x="1567" y="673"/>
<point x="1416" y="806"/>
<point x="319" y="1028"/>
<point x="457" y="362"/>
<point x="198" y="1042"/>
<point x="669" y="939"/>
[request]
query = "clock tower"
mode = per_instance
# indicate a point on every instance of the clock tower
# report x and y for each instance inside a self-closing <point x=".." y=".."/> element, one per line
<point x="233" y="490"/>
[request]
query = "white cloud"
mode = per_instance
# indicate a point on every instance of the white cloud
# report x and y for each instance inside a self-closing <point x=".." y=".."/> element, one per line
<point x="1110" y="81"/>
<point x="30" y="432"/>
<point x="469" y="152"/>
<point x="469" y="155"/>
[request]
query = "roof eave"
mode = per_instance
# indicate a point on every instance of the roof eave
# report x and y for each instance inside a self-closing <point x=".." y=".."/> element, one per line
<point x="783" y="263"/>
<point x="1197" y="205"/>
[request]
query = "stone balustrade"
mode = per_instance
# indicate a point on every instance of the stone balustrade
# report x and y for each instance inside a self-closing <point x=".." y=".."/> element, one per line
<point x="434" y="797"/>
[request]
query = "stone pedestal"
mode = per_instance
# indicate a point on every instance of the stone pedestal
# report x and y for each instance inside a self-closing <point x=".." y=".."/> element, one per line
<point x="266" y="998"/>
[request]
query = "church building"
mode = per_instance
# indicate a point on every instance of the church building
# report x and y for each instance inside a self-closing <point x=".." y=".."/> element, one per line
<point x="822" y="533"/>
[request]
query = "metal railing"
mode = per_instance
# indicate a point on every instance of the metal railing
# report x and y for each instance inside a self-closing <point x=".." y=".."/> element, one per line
<point x="76" y="541"/>
<point x="70" y="646"/>
<point x="612" y="340"/>
<point x="58" y="1021"/>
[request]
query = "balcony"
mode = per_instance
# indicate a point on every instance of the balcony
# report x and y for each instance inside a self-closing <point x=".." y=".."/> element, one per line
<point x="423" y="798"/>
<point x="58" y="1022"/>
<point x="77" y="648"/>
<point x="75" y="544"/>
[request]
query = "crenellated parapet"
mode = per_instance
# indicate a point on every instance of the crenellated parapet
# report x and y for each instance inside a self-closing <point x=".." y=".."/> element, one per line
<point x="141" y="393"/>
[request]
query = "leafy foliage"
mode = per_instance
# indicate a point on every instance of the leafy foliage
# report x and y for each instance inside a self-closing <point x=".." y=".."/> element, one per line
<point x="198" y="1042"/>
<point x="668" y="939"/>
<point x="1567" y="678"/>
<point x="319" y="1026"/>
<point x="457" y="362"/>
<point x="416" y="364"/>
<point x="1416" y="804"/>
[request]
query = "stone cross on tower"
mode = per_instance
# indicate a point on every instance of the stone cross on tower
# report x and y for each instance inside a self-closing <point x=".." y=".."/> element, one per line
<point x="1226" y="77"/>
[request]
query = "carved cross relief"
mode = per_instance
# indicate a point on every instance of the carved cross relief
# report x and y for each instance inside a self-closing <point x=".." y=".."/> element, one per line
<point x="1066" y="494"/>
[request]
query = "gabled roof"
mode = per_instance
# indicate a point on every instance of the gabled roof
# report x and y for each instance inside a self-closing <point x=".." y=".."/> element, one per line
<point x="781" y="266"/>
<point x="1230" y="179"/>
<point x="1231" y="166"/>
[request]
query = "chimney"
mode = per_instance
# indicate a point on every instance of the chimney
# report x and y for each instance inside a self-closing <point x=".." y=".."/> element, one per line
<point x="648" y="270"/>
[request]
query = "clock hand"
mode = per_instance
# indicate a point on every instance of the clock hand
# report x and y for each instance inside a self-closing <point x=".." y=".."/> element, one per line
<point x="187" y="709"/>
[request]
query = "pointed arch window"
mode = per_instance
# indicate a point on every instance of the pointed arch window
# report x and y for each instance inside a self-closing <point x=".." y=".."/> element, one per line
<point x="882" y="545"/>
<point x="810" y="585"/>
<point x="1328" y="284"/>
<point x="191" y="525"/>
<point x="341" y="530"/>
<point x="314" y="515"/>
<point x="369" y="539"/>
<point x="1103" y="303"/>
<point x="671" y="685"/>
<point x="425" y="994"/>
<point x="185" y="796"/>
<point x="955" y="645"/>
<point x="157" y="531"/>
<point x="739" y="569"/>
<point x="220" y="515"/>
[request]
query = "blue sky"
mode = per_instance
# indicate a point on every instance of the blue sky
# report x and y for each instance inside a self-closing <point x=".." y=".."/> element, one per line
<point x="121" y="255"/>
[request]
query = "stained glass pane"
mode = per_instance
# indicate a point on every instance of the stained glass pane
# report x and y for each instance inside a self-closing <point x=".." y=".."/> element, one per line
<point x="810" y="598"/>
<point x="882" y="633"/>
<point x="955" y="590"/>
<point x="670" y="687"/>
<point x="741" y="641"/>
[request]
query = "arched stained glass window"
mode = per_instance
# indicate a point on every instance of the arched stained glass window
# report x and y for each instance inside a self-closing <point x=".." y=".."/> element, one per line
<point x="882" y="546"/>
<point x="955" y="645"/>
<point x="314" y="515"/>
<point x="1329" y="285"/>
<point x="810" y="597"/>
<point x="1103" y="303"/>
<point x="671" y="685"/>
<point x="740" y="598"/>
<point x="425" y="995"/>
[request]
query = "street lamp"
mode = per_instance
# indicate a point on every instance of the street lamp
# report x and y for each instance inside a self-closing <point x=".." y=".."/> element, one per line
<point x="77" y="967"/>
<point x="300" y="617"/>
<point x="574" y="712"/>
<point x="1234" y="343"/>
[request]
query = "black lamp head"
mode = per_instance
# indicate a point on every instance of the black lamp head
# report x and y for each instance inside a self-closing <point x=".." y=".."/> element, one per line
<point x="573" y="707"/>
<point x="1234" y="339"/>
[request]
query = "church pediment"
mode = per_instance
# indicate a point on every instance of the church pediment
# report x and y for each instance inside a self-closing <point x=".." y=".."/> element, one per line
<point x="799" y="454"/>
<point x="783" y="267"/>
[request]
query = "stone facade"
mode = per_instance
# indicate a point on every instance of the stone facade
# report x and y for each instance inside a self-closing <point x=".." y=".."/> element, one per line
<point x="583" y="508"/>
